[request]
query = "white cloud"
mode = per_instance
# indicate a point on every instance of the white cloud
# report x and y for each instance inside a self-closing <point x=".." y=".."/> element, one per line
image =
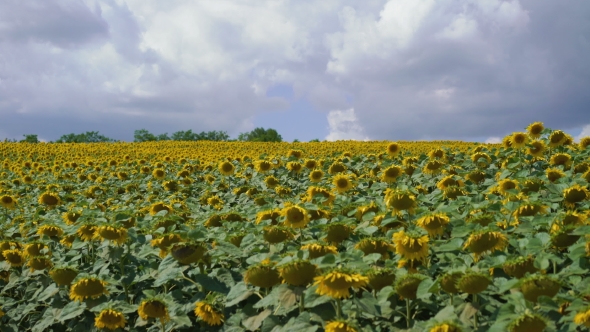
<point x="344" y="125"/>
<point x="493" y="140"/>
<point x="585" y="133"/>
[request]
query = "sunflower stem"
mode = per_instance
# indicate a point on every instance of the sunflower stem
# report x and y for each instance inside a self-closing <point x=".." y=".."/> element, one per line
<point x="302" y="303"/>
<point x="408" y="313"/>
<point x="475" y="315"/>
<point x="338" y="309"/>
<point x="162" y="325"/>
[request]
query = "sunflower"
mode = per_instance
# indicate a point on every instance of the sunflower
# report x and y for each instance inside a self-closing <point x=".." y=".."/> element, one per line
<point x="437" y="154"/>
<point x="528" y="322"/>
<point x="583" y="317"/>
<point x="295" y="167"/>
<point x="160" y="206"/>
<point x="115" y="234"/>
<point x="337" y="282"/>
<point x="263" y="166"/>
<point x="361" y="211"/>
<point x="539" y="285"/>
<point x="325" y="194"/>
<point x="316" y="175"/>
<point x="226" y="168"/>
<point x="49" y="199"/>
<point x="381" y="278"/>
<point x="448" y="281"/>
<point x="519" y="266"/>
<point x="87" y="287"/>
<point x="432" y="167"/>
<point x="342" y="183"/>
<point x="276" y="234"/>
<point x="476" y="176"/>
<point x="39" y="263"/>
<point x="110" y="319"/>
<point x="375" y="246"/>
<point x="187" y="253"/>
<point x="298" y="273"/>
<point x="518" y="140"/>
<point x="407" y="285"/>
<point x="473" y="282"/>
<point x="481" y="159"/>
<point x="535" y="129"/>
<point x="63" y="276"/>
<point x="393" y="149"/>
<point x="164" y="242"/>
<point x="554" y="174"/>
<point x="271" y="182"/>
<point x="14" y="257"/>
<point x="557" y="138"/>
<point x="506" y="184"/>
<point x="271" y="215"/>
<point x="263" y="275"/>
<point x="536" y="149"/>
<point x="50" y="231"/>
<point x="87" y="232"/>
<point x="575" y="194"/>
<point x="339" y="325"/>
<point x="153" y="308"/>
<point x="318" y="250"/>
<point x="445" y="327"/>
<point x="482" y="241"/>
<point x="208" y="313"/>
<point x="35" y="249"/>
<point x="584" y="143"/>
<point x="8" y="202"/>
<point x="295" y="216"/>
<point x="561" y="159"/>
<point x="311" y="164"/>
<point x="434" y="223"/>
<point x="336" y="167"/>
<point x="71" y="217"/>
<point x="391" y="173"/>
<point x="528" y="209"/>
<point x="411" y="245"/>
<point x="401" y="200"/>
<point x="337" y="232"/>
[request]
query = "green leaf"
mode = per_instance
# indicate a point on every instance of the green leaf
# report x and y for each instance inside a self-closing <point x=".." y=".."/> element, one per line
<point x="211" y="284"/>
<point x="237" y="294"/>
<point x="71" y="310"/>
<point x="424" y="288"/>
<point x="368" y="304"/>
<point x="312" y="299"/>
<point x="452" y="245"/>
<point x="447" y="313"/>
<point x="48" y="292"/>
<point x="253" y="323"/>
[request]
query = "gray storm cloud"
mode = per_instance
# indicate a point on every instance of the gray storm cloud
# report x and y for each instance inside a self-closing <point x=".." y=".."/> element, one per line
<point x="409" y="69"/>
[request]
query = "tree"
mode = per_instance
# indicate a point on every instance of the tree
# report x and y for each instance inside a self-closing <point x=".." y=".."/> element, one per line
<point x="30" y="138"/>
<point x="315" y="140"/>
<point x="261" y="135"/>
<point x="142" y="135"/>
<point x="87" y="137"/>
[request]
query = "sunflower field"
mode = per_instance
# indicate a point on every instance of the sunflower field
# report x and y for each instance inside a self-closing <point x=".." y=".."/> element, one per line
<point x="344" y="236"/>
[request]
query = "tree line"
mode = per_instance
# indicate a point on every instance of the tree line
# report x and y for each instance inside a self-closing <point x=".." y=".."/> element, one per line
<point x="143" y="135"/>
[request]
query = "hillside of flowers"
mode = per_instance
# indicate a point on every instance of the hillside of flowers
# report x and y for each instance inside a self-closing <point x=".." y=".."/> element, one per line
<point x="344" y="236"/>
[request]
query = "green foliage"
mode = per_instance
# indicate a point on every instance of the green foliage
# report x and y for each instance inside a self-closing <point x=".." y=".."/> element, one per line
<point x="261" y="135"/>
<point x="143" y="135"/>
<point x="87" y="137"/>
<point x="30" y="139"/>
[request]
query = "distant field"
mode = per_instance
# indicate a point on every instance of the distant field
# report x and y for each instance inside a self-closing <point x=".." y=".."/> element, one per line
<point x="336" y="236"/>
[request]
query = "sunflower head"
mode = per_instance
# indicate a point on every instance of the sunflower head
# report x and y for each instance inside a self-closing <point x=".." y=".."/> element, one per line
<point x="14" y="257"/>
<point x="375" y="246"/>
<point x="539" y="285"/>
<point x="276" y="234"/>
<point x="318" y="250"/>
<point x="393" y="149"/>
<point x="153" y="308"/>
<point x="575" y="194"/>
<point x="160" y="206"/>
<point x="583" y="317"/>
<point x="381" y="278"/>
<point x="446" y="326"/>
<point x="401" y="200"/>
<point x="49" y="199"/>
<point x="473" y="282"/>
<point x="226" y="168"/>
<point x="342" y="183"/>
<point x="39" y="263"/>
<point x="411" y="245"/>
<point x="295" y="216"/>
<point x="337" y="232"/>
<point x="584" y="143"/>
<point x="557" y="138"/>
<point x="110" y="319"/>
<point x="208" y="313"/>
<point x="336" y="283"/>
<point x="407" y="286"/>
<point x="324" y="194"/>
<point x="187" y="252"/>
<point x="63" y="276"/>
<point x="316" y="175"/>
<point x="8" y="202"/>
<point x="298" y="272"/>
<point x="519" y="266"/>
<point x="554" y="174"/>
<point x="339" y="325"/>
<point x="535" y="129"/>
<point x="391" y="173"/>
<point x="263" y="275"/>
<point x="87" y="287"/>
<point x="482" y="241"/>
<point x="561" y="159"/>
<point x="528" y="322"/>
<point x="448" y="282"/>
<point x="336" y="167"/>
<point x="116" y="234"/>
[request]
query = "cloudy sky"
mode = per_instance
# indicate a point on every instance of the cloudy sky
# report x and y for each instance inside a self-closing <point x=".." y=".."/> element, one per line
<point x="330" y="69"/>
